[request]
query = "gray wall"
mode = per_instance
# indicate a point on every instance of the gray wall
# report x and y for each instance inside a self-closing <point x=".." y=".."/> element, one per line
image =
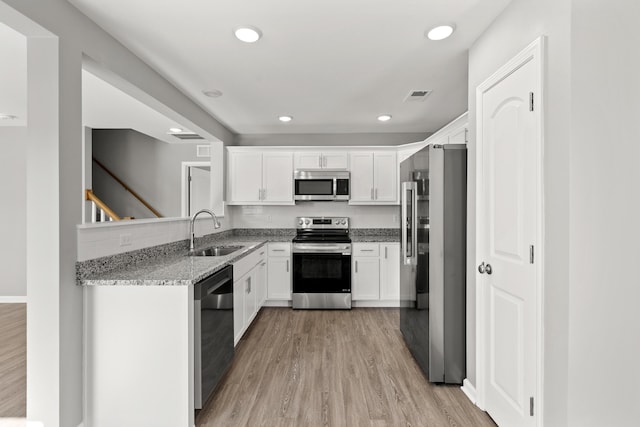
<point x="13" y="227"/>
<point x="329" y="139"/>
<point x="604" y="319"/>
<point x="150" y="167"/>
<point x="520" y="23"/>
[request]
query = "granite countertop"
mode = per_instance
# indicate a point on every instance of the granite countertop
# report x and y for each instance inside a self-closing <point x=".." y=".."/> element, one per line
<point x="170" y="265"/>
<point x="178" y="269"/>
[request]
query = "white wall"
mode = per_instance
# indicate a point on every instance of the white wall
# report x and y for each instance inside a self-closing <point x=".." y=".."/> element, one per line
<point x="13" y="206"/>
<point x="99" y="240"/>
<point x="520" y="23"/>
<point x="604" y="319"/>
<point x="284" y="216"/>
<point x="330" y="139"/>
<point x="150" y="167"/>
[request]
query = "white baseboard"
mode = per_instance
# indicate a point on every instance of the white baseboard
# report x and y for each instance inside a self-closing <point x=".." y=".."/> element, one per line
<point x="277" y="303"/>
<point x="13" y="300"/>
<point x="468" y="389"/>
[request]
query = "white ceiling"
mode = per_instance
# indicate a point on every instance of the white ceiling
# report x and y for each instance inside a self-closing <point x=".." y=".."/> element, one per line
<point x="335" y="65"/>
<point x="107" y="107"/>
<point x="13" y="76"/>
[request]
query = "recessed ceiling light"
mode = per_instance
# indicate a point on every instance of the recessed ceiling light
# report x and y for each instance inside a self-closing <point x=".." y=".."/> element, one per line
<point x="7" y="117"/>
<point x="175" y="130"/>
<point x="384" y="117"/>
<point x="248" y="34"/>
<point x="285" y="119"/>
<point x="212" y="93"/>
<point x="440" y="33"/>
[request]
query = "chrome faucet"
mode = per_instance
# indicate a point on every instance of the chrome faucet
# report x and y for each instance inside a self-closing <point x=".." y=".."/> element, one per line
<point x="216" y="224"/>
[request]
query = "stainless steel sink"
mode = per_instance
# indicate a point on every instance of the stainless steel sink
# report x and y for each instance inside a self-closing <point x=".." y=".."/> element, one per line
<point x="216" y="251"/>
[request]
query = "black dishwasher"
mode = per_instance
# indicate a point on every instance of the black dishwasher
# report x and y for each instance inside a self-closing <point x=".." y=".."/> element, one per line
<point x="213" y="332"/>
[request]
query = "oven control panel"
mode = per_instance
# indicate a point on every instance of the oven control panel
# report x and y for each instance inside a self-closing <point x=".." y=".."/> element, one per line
<point x="319" y="223"/>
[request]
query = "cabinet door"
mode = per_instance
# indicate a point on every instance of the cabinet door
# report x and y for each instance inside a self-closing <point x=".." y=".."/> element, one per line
<point x="335" y="160"/>
<point x="245" y="177"/>
<point x="361" y="177"/>
<point x="249" y="288"/>
<point x="277" y="177"/>
<point x="390" y="271"/>
<point x="385" y="169"/>
<point x="365" y="284"/>
<point x="238" y="310"/>
<point x="279" y="278"/>
<point x="308" y="160"/>
<point x="261" y="284"/>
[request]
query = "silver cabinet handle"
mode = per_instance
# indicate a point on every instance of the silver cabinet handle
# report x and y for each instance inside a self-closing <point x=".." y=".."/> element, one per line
<point x="264" y="194"/>
<point x="481" y="268"/>
<point x="277" y="250"/>
<point x="356" y="266"/>
<point x="488" y="269"/>
<point x="287" y="266"/>
<point x="366" y="250"/>
<point x="385" y="252"/>
<point x="324" y="161"/>
<point x="320" y="161"/>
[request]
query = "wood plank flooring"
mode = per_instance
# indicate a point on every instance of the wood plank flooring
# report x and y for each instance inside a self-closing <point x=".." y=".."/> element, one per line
<point x="13" y="360"/>
<point x="332" y="368"/>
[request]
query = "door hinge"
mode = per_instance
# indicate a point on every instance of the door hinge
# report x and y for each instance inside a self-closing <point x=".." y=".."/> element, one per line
<point x="531" y="254"/>
<point x="531" y="406"/>
<point x="531" y="101"/>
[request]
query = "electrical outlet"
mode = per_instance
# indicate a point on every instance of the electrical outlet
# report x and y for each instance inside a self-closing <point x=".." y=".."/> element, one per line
<point x="125" y="239"/>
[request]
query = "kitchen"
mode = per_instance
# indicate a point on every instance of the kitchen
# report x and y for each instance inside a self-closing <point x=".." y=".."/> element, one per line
<point x="570" y="129"/>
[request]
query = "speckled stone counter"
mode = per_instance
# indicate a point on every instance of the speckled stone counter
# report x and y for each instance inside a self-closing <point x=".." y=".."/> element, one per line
<point x="382" y="235"/>
<point x="170" y="264"/>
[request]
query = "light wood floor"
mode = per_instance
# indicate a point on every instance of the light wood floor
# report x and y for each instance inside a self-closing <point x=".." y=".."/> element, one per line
<point x="332" y="368"/>
<point x="13" y="360"/>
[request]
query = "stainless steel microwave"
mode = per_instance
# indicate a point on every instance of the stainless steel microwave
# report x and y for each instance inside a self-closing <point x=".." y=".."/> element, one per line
<point x="328" y="185"/>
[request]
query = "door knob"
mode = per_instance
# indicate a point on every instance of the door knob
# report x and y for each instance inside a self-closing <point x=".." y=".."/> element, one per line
<point x="488" y="269"/>
<point x="481" y="268"/>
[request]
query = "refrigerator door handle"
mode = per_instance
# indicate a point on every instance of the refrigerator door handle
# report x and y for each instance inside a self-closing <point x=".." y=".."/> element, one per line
<point x="408" y="228"/>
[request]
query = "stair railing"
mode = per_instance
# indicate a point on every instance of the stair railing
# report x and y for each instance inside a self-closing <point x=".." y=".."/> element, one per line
<point x="100" y="212"/>
<point x="129" y="189"/>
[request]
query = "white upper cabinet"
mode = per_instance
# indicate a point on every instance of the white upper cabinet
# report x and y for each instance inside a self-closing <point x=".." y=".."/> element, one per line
<point x="321" y="160"/>
<point x="374" y="177"/>
<point x="277" y="177"/>
<point x="259" y="177"/>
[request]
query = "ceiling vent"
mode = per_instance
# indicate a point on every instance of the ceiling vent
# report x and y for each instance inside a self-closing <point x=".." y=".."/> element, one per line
<point x="417" y="95"/>
<point x="186" y="136"/>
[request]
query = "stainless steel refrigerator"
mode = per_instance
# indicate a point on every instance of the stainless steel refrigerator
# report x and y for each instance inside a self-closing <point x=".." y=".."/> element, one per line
<point x="433" y="258"/>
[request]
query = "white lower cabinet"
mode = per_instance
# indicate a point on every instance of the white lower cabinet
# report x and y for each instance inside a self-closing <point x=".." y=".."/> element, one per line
<point x="376" y="274"/>
<point x="365" y="274"/>
<point x="279" y="271"/>
<point x="248" y="290"/>
<point x="390" y="271"/>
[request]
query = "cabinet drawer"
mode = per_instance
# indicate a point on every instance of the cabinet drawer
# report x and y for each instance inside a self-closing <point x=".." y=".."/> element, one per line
<point x="279" y="249"/>
<point x="366" y="249"/>
<point x="242" y="266"/>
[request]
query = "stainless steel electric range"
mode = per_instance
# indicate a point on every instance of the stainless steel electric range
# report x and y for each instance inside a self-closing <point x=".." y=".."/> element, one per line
<point x="322" y="263"/>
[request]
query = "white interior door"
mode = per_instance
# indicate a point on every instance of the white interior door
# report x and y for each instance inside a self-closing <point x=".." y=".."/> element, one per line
<point x="508" y="149"/>
<point x="199" y="188"/>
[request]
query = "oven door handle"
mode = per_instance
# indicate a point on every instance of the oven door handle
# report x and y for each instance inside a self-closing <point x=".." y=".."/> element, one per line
<point x="321" y="248"/>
